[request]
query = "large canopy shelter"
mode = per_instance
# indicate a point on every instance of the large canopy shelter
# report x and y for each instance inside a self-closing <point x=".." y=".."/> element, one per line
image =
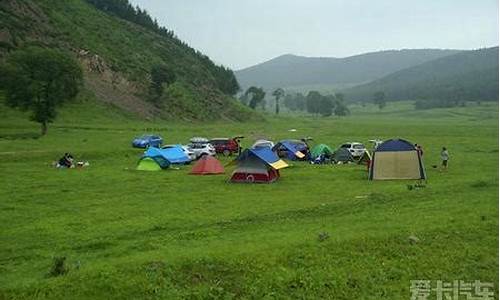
<point x="396" y="159"/>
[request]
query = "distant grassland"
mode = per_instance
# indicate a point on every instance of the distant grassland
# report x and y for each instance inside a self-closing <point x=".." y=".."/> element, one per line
<point x="141" y="235"/>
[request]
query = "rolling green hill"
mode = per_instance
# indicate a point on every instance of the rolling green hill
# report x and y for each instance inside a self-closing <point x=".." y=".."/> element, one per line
<point x="465" y="76"/>
<point x="117" y="53"/>
<point x="297" y="71"/>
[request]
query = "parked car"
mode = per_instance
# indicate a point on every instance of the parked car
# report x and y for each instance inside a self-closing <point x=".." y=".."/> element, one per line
<point x="356" y="149"/>
<point x="147" y="140"/>
<point x="200" y="147"/>
<point x="226" y="146"/>
<point x="189" y="153"/>
<point x="263" y="143"/>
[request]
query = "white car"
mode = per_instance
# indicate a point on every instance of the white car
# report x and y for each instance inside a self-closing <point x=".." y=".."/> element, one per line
<point x="356" y="149"/>
<point x="263" y="143"/>
<point x="200" y="147"/>
<point x="186" y="150"/>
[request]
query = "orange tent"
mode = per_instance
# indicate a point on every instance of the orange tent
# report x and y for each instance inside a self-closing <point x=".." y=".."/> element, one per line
<point x="207" y="165"/>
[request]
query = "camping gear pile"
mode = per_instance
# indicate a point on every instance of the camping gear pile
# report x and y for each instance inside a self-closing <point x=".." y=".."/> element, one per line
<point x="392" y="159"/>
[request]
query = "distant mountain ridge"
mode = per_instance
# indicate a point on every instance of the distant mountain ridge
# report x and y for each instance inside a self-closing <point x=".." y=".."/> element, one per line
<point x="465" y="76"/>
<point x="291" y="70"/>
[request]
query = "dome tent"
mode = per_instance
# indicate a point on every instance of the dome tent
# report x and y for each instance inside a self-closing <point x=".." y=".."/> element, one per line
<point x="259" y="165"/>
<point x="207" y="165"/>
<point x="342" y="155"/>
<point x="152" y="163"/>
<point x="321" y="149"/>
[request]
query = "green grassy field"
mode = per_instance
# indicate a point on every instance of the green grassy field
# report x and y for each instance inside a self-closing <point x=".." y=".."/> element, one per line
<point x="130" y="234"/>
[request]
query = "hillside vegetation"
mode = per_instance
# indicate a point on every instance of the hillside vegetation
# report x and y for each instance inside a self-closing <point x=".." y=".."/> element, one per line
<point x="117" y="54"/>
<point x="291" y="71"/>
<point x="465" y="76"/>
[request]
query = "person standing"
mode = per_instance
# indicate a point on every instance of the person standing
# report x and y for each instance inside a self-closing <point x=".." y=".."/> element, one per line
<point x="419" y="149"/>
<point x="445" y="156"/>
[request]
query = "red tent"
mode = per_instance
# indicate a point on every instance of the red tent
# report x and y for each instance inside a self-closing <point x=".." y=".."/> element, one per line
<point x="207" y="165"/>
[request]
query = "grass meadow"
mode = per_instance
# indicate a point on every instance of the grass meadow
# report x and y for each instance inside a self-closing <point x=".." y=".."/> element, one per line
<point x="319" y="232"/>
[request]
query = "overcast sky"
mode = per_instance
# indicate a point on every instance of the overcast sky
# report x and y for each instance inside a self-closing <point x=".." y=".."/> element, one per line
<point x="241" y="33"/>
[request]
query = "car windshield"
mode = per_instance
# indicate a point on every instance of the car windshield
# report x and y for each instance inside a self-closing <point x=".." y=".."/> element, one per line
<point x="197" y="145"/>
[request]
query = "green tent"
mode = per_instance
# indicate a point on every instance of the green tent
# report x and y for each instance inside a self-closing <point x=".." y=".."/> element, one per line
<point x="147" y="163"/>
<point x="321" y="149"/>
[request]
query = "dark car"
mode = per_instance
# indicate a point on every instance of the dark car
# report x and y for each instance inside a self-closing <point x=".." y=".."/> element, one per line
<point x="226" y="146"/>
<point x="146" y="141"/>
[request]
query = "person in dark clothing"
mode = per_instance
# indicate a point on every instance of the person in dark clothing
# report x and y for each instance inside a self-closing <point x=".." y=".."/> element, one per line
<point x="419" y="149"/>
<point x="66" y="161"/>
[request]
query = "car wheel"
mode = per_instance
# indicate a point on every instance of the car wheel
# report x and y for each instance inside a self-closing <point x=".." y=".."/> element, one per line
<point x="226" y="152"/>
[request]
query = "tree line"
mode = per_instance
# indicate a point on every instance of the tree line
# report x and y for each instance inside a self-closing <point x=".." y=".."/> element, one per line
<point x="225" y="79"/>
<point x="314" y="102"/>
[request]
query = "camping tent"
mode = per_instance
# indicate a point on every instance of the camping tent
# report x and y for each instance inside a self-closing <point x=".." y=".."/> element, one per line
<point x="259" y="165"/>
<point x="207" y="165"/>
<point x="396" y="159"/>
<point x="156" y="163"/>
<point x="342" y="155"/>
<point x="175" y="155"/>
<point x="291" y="149"/>
<point x="321" y="149"/>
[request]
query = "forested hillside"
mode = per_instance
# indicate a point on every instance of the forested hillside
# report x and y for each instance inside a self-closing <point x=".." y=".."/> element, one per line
<point x="127" y="58"/>
<point x="466" y="76"/>
<point x="295" y="71"/>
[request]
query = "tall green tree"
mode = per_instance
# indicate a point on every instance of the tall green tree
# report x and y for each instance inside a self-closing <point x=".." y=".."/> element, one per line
<point x="340" y="108"/>
<point x="256" y="95"/>
<point x="278" y="94"/>
<point x="313" y="102"/>
<point x="379" y="99"/>
<point x="326" y="105"/>
<point x="40" y="80"/>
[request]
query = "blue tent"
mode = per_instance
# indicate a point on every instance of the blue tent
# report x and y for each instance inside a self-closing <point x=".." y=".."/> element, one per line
<point x="175" y="155"/>
<point x="292" y="149"/>
<point x="264" y="154"/>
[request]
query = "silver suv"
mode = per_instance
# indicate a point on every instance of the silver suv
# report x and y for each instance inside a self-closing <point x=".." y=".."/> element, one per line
<point x="356" y="149"/>
<point x="200" y="147"/>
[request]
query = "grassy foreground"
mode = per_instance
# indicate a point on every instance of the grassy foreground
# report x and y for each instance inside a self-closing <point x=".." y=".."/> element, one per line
<point x="130" y="234"/>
